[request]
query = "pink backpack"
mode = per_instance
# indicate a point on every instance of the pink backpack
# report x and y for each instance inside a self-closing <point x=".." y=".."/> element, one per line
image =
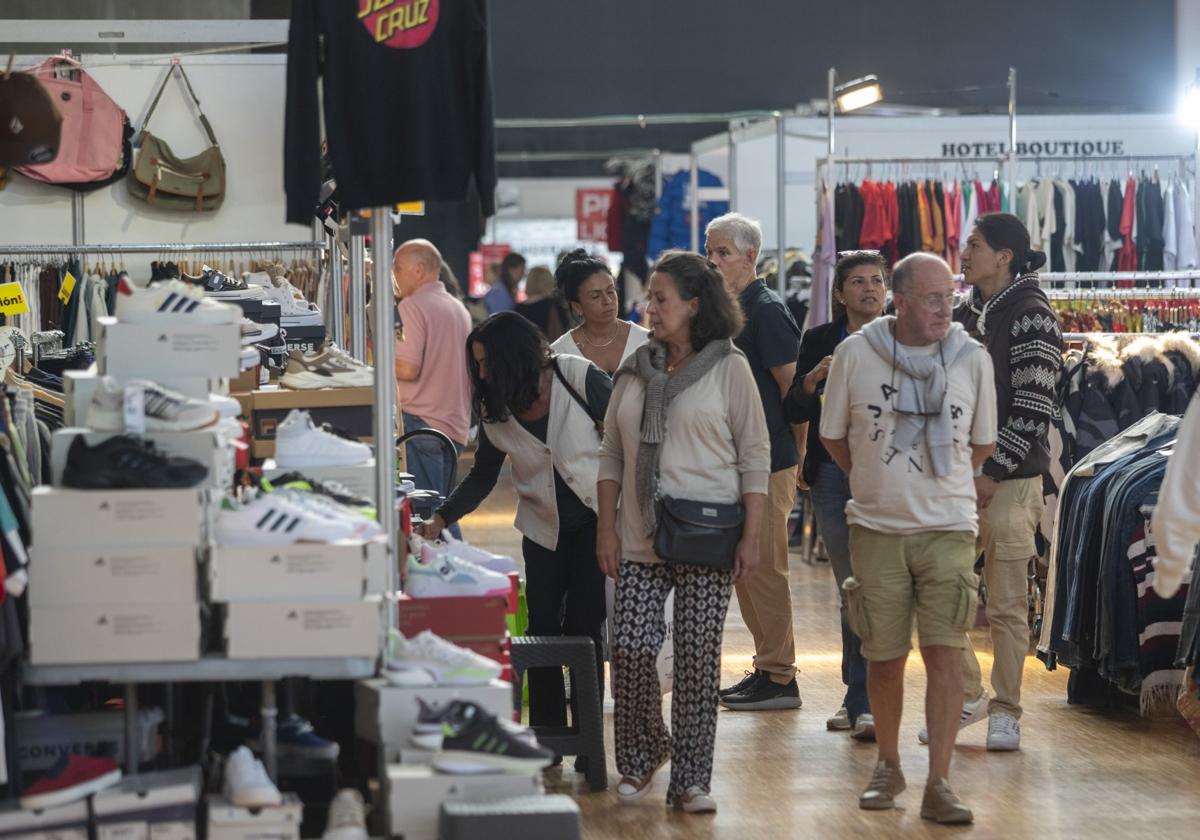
<point x="91" y="148"/>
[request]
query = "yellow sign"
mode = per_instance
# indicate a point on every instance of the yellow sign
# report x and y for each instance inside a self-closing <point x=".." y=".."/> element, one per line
<point x="411" y="208"/>
<point x="12" y="300"/>
<point x="68" y="286"/>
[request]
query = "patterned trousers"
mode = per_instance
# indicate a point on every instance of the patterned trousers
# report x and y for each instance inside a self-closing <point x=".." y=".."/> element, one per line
<point x="642" y="737"/>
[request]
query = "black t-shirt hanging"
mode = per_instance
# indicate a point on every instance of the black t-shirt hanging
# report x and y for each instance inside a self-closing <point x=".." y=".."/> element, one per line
<point x="408" y="102"/>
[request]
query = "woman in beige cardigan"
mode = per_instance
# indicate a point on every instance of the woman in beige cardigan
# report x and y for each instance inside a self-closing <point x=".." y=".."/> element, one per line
<point x="685" y="418"/>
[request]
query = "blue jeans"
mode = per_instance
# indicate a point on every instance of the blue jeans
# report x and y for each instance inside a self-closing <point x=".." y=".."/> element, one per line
<point x="429" y="462"/>
<point x="829" y="494"/>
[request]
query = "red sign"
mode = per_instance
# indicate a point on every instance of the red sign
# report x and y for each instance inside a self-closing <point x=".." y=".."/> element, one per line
<point x="591" y="214"/>
<point x="483" y="266"/>
<point x="399" y="24"/>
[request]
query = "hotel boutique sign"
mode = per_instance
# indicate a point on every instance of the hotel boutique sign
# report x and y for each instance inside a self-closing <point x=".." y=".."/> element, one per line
<point x="1037" y="148"/>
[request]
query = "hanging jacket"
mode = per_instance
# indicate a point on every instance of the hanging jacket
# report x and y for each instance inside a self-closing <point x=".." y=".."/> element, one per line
<point x="671" y="228"/>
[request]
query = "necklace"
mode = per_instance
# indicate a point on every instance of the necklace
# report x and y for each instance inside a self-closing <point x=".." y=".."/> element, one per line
<point x="588" y="341"/>
<point x="679" y="362"/>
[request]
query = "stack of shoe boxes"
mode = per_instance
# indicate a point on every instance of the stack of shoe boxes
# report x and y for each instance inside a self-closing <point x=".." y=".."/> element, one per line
<point x="113" y="572"/>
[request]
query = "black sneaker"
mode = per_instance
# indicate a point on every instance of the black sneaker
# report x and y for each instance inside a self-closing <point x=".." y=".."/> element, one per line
<point x="222" y="287"/>
<point x="747" y="682"/>
<point x="126" y="462"/>
<point x="763" y="695"/>
<point x="331" y="489"/>
<point x="469" y="739"/>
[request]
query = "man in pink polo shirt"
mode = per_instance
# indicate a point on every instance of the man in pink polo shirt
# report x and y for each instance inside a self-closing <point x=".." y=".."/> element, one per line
<point x="431" y="363"/>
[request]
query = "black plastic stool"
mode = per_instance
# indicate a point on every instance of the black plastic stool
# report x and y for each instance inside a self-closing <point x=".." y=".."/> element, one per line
<point x="586" y="738"/>
<point x="553" y="817"/>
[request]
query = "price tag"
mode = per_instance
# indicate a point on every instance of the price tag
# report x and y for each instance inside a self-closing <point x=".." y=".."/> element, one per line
<point x="411" y="208"/>
<point x="135" y="409"/>
<point x="12" y="299"/>
<point x="68" y="286"/>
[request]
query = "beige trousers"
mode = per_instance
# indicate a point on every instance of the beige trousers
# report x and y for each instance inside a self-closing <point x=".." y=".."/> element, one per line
<point x="765" y="597"/>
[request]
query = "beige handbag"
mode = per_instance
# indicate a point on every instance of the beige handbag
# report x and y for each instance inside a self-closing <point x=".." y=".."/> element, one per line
<point x="162" y="179"/>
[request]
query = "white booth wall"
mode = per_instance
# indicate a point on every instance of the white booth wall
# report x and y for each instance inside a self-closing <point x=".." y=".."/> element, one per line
<point x="754" y="187"/>
<point x="243" y="98"/>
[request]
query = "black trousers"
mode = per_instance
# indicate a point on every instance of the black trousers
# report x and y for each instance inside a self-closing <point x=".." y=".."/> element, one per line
<point x="564" y="590"/>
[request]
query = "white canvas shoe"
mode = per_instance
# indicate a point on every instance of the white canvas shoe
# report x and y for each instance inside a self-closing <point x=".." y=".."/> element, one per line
<point x="445" y="662"/>
<point x="299" y="443"/>
<point x="347" y="817"/>
<point x="247" y="784"/>
<point x="435" y="574"/>
<point x="294" y="310"/>
<point x="271" y="519"/>
<point x="171" y="302"/>
<point x="164" y="410"/>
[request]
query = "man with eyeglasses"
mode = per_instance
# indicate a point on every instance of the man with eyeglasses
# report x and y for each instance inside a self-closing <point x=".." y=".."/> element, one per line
<point x="909" y="414"/>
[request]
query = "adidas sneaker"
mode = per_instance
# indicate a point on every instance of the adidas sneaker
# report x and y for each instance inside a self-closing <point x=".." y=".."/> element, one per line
<point x="127" y="462"/>
<point x="439" y="661"/>
<point x="329" y="367"/>
<point x="365" y="529"/>
<point x="299" y="443"/>
<point x="164" y="410"/>
<point x="480" y="557"/>
<point x="171" y="302"/>
<point x="271" y="519"/>
<point x="435" y="574"/>
<point x="468" y="740"/>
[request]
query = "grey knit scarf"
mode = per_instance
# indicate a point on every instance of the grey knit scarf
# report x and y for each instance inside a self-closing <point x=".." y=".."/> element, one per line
<point x="649" y="364"/>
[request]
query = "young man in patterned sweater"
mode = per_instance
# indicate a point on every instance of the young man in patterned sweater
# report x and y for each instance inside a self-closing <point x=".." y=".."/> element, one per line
<point x="1010" y="315"/>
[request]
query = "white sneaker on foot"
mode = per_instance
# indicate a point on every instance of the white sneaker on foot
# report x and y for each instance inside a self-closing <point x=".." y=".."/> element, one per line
<point x="299" y="443"/>
<point x="839" y="721"/>
<point x="864" y="728"/>
<point x="247" y="783"/>
<point x="696" y="800"/>
<point x="972" y="712"/>
<point x="1004" y="732"/>
<point x="347" y="817"/>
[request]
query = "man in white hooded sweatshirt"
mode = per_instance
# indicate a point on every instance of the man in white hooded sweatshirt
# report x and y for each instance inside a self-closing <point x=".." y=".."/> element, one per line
<point x="909" y="414"/>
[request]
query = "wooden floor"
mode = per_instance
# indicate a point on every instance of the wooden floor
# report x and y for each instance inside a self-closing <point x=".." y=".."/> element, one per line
<point x="782" y="775"/>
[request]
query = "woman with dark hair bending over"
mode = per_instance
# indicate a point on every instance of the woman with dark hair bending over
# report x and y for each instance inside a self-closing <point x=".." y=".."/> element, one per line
<point x="685" y="419"/>
<point x="531" y="406"/>
<point x="587" y="286"/>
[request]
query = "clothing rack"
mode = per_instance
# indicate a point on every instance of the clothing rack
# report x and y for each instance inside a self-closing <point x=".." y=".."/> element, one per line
<point x="1141" y="293"/>
<point x="1087" y="336"/>
<point x="164" y="247"/>
<point x="1111" y="276"/>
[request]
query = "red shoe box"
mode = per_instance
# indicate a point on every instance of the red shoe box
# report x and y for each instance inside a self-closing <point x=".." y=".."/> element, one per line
<point x="452" y="618"/>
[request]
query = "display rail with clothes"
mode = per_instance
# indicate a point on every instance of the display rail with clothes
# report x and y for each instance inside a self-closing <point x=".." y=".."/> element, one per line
<point x="1085" y="310"/>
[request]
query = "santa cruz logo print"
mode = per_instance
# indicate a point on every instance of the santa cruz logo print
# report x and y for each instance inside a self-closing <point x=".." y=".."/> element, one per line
<point x="399" y="24"/>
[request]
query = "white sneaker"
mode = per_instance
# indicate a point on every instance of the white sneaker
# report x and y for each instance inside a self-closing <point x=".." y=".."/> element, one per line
<point x="256" y="333"/>
<point x="439" y="575"/>
<point x="864" y="728"/>
<point x="480" y="557"/>
<point x="294" y="310"/>
<point x="972" y="712"/>
<point x="347" y="817"/>
<point x="839" y="721"/>
<point x="171" y="302"/>
<point x="247" y="784"/>
<point x="1004" y="733"/>
<point x="329" y="367"/>
<point x="227" y="406"/>
<point x="299" y="443"/>
<point x="696" y="800"/>
<point x="445" y="662"/>
<point x="271" y="519"/>
<point x="364" y="528"/>
<point x="164" y="410"/>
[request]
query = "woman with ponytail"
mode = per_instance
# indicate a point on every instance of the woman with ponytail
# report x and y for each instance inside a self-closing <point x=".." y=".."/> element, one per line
<point x="588" y="288"/>
<point x="1009" y="313"/>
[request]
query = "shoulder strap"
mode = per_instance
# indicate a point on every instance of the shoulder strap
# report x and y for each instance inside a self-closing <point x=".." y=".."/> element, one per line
<point x="598" y="422"/>
<point x="212" y="138"/>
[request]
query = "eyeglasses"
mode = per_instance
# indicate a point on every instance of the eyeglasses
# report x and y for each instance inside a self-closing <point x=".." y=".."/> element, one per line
<point x="843" y="254"/>
<point x="936" y="303"/>
<point x="945" y="389"/>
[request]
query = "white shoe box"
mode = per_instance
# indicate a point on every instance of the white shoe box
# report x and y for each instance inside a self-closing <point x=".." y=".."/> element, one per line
<point x="150" y="806"/>
<point x="358" y="478"/>
<point x="67" y="822"/>
<point x="204" y="445"/>
<point x="304" y="571"/>
<point x="294" y="629"/>
<point x="163" y="352"/>
<point x="42" y="739"/>
<point x="80" y="635"/>
<point x="379" y="554"/>
<point x="103" y="575"/>
<point x="415" y="796"/>
<point x="118" y="518"/>
<point x="227" y="821"/>
<point x="385" y="713"/>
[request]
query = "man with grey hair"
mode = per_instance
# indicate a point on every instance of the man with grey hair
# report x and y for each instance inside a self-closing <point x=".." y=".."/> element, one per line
<point x="431" y="364"/>
<point x="771" y="342"/>
<point x="909" y="414"/>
